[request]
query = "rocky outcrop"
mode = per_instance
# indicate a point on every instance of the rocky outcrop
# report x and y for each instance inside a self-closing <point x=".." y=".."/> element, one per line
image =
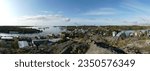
<point x="103" y="48"/>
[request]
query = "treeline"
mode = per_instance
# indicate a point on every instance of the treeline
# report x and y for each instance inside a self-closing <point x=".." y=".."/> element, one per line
<point x="19" y="29"/>
<point x="104" y="28"/>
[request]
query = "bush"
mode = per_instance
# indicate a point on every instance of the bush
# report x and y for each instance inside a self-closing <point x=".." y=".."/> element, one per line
<point x="14" y="44"/>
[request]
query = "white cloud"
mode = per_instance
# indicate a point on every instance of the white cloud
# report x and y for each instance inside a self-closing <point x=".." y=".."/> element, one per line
<point x="136" y="20"/>
<point x="43" y="20"/>
<point x="136" y="6"/>
<point x="101" y="11"/>
<point x="59" y="20"/>
<point x="97" y="21"/>
<point x="139" y="12"/>
<point x="43" y="17"/>
<point x="50" y="12"/>
<point x="45" y="12"/>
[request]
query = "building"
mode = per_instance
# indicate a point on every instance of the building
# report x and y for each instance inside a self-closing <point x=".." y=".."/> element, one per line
<point x="114" y="34"/>
<point x="56" y="39"/>
<point x="131" y="33"/>
<point x="148" y="33"/>
<point x="23" y="44"/>
<point x="9" y="38"/>
<point x="41" y="42"/>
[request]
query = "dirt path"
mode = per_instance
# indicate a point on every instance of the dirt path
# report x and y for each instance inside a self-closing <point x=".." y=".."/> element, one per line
<point x="94" y="49"/>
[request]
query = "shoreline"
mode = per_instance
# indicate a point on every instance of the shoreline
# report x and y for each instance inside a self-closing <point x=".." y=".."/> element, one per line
<point x="18" y="30"/>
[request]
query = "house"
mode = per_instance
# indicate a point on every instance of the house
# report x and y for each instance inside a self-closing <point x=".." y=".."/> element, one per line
<point x="122" y="33"/>
<point x="41" y="42"/>
<point x="138" y="33"/>
<point x="23" y="44"/>
<point x="128" y="33"/>
<point x="132" y="33"/>
<point x="56" y="39"/>
<point x="7" y="38"/>
<point x="114" y="34"/>
<point x="148" y="33"/>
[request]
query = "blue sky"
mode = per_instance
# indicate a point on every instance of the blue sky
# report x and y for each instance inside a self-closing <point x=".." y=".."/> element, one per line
<point x="68" y="7"/>
<point x="77" y="12"/>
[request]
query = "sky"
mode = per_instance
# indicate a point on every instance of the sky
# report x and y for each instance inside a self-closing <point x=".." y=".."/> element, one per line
<point x="74" y="12"/>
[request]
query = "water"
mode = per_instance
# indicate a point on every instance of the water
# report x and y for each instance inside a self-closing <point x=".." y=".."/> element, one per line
<point x="53" y="30"/>
<point x="46" y="31"/>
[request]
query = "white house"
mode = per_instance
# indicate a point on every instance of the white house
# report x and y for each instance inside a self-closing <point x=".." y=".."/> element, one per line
<point x="114" y="34"/>
<point x="23" y="44"/>
<point x="7" y="38"/>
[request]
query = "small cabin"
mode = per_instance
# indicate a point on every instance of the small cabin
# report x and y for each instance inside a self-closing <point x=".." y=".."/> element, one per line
<point x="23" y="44"/>
<point x="7" y="38"/>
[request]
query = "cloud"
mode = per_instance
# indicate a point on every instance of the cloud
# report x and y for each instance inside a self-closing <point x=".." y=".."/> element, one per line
<point x="51" y="12"/>
<point x="137" y="20"/>
<point x="101" y="11"/>
<point x="136" y="6"/>
<point x="67" y="19"/>
<point x="43" y="17"/>
<point x="60" y="20"/>
<point x="96" y="21"/>
<point x="138" y="12"/>
<point x="44" y="20"/>
<point x="46" y="12"/>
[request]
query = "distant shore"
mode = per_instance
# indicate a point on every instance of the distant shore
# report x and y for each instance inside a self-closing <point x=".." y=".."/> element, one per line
<point x="18" y="30"/>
